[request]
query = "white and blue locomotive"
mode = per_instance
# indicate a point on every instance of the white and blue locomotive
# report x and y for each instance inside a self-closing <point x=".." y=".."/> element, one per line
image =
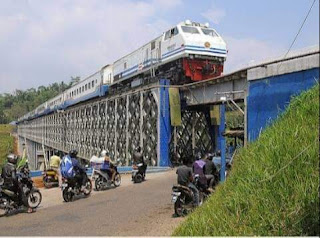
<point x="187" y="52"/>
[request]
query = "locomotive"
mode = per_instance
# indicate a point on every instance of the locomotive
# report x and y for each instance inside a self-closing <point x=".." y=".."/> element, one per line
<point x="188" y="52"/>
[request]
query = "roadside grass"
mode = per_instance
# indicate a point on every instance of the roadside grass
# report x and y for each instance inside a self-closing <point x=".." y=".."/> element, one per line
<point x="273" y="188"/>
<point x="6" y="142"/>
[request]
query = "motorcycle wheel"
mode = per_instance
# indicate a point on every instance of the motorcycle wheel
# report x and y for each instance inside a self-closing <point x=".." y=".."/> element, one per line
<point x="3" y="208"/>
<point x="47" y="182"/>
<point x="88" y="188"/>
<point x="67" y="196"/>
<point x="34" y="199"/>
<point x="117" y="180"/>
<point x="98" y="183"/>
<point x="138" y="178"/>
<point x="178" y="209"/>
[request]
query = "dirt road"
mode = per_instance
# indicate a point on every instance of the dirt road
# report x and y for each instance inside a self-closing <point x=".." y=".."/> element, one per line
<point x="132" y="209"/>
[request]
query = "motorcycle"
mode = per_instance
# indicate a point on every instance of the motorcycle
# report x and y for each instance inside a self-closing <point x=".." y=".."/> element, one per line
<point x="31" y="197"/>
<point x="103" y="178"/>
<point x="138" y="172"/>
<point x="182" y="197"/>
<point x="71" y="188"/>
<point x="50" y="178"/>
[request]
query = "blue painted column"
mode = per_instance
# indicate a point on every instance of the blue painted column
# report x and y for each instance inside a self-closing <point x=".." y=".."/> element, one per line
<point x="164" y="121"/>
<point x="222" y="142"/>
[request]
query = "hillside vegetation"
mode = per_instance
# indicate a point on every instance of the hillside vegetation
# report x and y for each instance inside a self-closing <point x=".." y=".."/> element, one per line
<point x="15" y="105"/>
<point x="6" y="142"/>
<point x="273" y="188"/>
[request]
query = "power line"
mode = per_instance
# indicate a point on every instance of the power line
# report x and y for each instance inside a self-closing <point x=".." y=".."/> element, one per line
<point x="295" y="38"/>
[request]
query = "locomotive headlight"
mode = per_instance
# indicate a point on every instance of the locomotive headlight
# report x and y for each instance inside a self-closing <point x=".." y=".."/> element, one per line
<point x="207" y="44"/>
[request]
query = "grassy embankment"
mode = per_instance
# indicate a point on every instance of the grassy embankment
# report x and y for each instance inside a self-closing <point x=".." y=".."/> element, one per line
<point x="273" y="187"/>
<point x="6" y="142"/>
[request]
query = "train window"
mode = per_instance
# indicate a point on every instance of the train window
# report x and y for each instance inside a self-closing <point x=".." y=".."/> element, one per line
<point x="147" y="54"/>
<point x="77" y="91"/>
<point x="125" y="65"/>
<point x="153" y="45"/>
<point x="190" y="29"/>
<point x="174" y="31"/>
<point x="89" y="85"/>
<point x="171" y="33"/>
<point x="82" y="88"/>
<point x="92" y="83"/>
<point x="167" y="35"/>
<point x="96" y="80"/>
<point x="209" y="32"/>
<point x="85" y="87"/>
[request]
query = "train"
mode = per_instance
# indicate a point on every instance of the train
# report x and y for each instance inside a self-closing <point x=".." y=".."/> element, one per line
<point x="187" y="52"/>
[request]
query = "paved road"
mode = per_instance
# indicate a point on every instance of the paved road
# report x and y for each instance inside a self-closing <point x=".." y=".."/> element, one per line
<point x="133" y="209"/>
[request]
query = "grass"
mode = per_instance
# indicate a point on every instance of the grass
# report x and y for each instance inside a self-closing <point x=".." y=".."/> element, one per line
<point x="273" y="187"/>
<point x="6" y="142"/>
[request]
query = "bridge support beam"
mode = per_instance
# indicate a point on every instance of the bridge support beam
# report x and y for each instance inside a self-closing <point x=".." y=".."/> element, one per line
<point x="164" y="124"/>
<point x="222" y="142"/>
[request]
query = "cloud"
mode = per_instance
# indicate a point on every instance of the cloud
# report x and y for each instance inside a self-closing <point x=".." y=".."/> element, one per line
<point x="214" y="14"/>
<point x="248" y="51"/>
<point x="42" y="42"/>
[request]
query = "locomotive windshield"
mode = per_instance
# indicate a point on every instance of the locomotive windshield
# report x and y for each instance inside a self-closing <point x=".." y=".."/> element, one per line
<point x="209" y="32"/>
<point x="190" y="29"/>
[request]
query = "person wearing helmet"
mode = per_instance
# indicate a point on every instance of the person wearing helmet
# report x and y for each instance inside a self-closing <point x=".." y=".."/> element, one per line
<point x="138" y="158"/>
<point x="9" y="175"/>
<point x="198" y="168"/>
<point x="80" y="172"/>
<point x="210" y="170"/>
<point x="55" y="165"/>
<point x="108" y="165"/>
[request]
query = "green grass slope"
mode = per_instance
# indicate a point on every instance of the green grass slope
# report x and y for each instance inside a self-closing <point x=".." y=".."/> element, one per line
<point x="6" y="142"/>
<point x="273" y="187"/>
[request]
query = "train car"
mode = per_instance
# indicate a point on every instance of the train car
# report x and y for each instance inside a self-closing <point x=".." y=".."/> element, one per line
<point x="187" y="52"/>
<point x="86" y="89"/>
<point x="55" y="103"/>
<point x="42" y="109"/>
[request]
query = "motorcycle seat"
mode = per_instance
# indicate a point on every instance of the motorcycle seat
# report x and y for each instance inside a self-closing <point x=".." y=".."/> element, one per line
<point x="181" y="187"/>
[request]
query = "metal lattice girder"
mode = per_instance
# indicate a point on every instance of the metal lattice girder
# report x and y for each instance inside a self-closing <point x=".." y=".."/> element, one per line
<point x="193" y="134"/>
<point x="118" y="124"/>
<point x="134" y="108"/>
<point x="150" y="135"/>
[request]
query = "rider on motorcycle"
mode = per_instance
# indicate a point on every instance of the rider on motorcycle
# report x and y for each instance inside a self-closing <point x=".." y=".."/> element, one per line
<point x="198" y="168"/>
<point x="210" y="170"/>
<point x="80" y="175"/>
<point x="138" y="158"/>
<point x="185" y="178"/>
<point x="108" y="165"/>
<point x="55" y="165"/>
<point x="10" y="179"/>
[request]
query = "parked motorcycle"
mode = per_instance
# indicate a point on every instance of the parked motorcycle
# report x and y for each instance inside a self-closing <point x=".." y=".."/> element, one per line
<point x="71" y="188"/>
<point x="103" y="179"/>
<point x="31" y="198"/>
<point x="50" y="178"/>
<point x="182" y="197"/>
<point x="138" y="172"/>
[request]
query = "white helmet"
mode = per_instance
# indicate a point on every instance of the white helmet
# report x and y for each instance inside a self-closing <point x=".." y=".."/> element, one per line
<point x="103" y="153"/>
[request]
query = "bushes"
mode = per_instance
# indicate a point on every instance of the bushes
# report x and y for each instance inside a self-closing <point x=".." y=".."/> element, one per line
<point x="6" y="142"/>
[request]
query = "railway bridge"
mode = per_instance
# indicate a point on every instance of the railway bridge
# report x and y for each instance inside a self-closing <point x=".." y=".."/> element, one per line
<point x="170" y="121"/>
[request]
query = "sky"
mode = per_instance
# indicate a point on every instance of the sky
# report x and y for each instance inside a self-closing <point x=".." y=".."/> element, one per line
<point x="42" y="42"/>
